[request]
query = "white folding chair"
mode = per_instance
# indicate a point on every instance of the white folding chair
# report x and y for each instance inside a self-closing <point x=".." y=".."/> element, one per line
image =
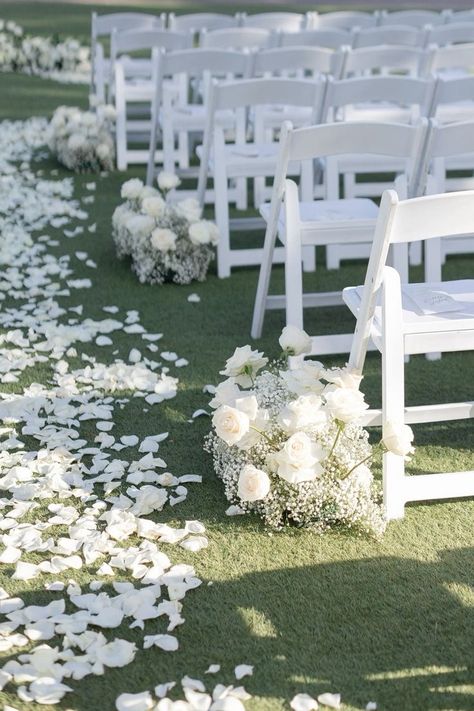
<point x="465" y="16"/>
<point x="395" y="99"/>
<point x="247" y="159"/>
<point x="404" y="319"/>
<point x="451" y="62"/>
<point x="453" y="33"/>
<point x="384" y="60"/>
<point x="275" y="21"/>
<point x="173" y="107"/>
<point x="448" y="145"/>
<point x="238" y="38"/>
<point x="134" y="85"/>
<point x="345" y="20"/>
<point x="415" y="18"/>
<point x="330" y="38"/>
<point x="102" y="26"/>
<point x="330" y="221"/>
<point x="401" y="35"/>
<point x="195" y="22"/>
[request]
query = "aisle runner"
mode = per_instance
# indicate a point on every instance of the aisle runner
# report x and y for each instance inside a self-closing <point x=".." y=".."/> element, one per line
<point x="72" y="501"/>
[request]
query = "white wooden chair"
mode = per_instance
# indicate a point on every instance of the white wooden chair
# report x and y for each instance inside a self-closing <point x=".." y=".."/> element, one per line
<point x="195" y="22"/>
<point x="326" y="222"/>
<point x="418" y="318"/>
<point x="464" y="16"/>
<point x="275" y="21"/>
<point x="134" y="85"/>
<point x="395" y="99"/>
<point x="401" y="35"/>
<point x="238" y="38"/>
<point x="330" y="38"/>
<point x="102" y="27"/>
<point x="415" y="18"/>
<point x="384" y="60"/>
<point x="448" y="145"/>
<point x="345" y="20"/>
<point x="453" y="33"/>
<point x="452" y="61"/>
<point x="226" y="162"/>
<point x="173" y="107"/>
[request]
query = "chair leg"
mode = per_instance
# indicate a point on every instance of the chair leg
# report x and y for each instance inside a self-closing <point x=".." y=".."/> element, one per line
<point x="183" y="149"/>
<point x="241" y="201"/>
<point x="121" y="129"/>
<point x="168" y="146"/>
<point x="293" y="261"/>
<point x="222" y="221"/>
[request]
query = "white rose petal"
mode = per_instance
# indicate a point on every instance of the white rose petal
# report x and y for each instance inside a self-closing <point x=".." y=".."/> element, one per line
<point x="134" y="702"/>
<point x="333" y="701"/>
<point x="303" y="702"/>
<point x="243" y="670"/>
<point x="295" y="341"/>
<point x="398" y="438"/>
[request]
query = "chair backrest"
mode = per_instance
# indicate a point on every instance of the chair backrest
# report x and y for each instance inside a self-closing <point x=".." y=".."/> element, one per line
<point x="237" y="38"/>
<point x="415" y="18"/>
<point x="103" y="25"/>
<point x="286" y="60"/>
<point x="455" y="33"/>
<point x="238" y="95"/>
<point x="397" y="90"/>
<point x="390" y="35"/>
<point x="458" y="56"/>
<point x="459" y="16"/>
<point x="400" y="221"/>
<point x="279" y="21"/>
<point x="345" y="20"/>
<point x="194" y="62"/>
<point x="452" y="91"/>
<point x="384" y="59"/>
<point x="144" y="40"/>
<point x="443" y="142"/>
<point x="197" y="21"/>
<point x="331" y="38"/>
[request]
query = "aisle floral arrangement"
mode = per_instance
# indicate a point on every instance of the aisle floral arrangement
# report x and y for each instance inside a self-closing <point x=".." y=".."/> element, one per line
<point x="83" y="140"/>
<point x="288" y="443"/>
<point x="67" y="60"/>
<point x="167" y="241"/>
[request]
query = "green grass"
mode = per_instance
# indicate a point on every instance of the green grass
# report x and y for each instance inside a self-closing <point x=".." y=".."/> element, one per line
<point x="390" y="621"/>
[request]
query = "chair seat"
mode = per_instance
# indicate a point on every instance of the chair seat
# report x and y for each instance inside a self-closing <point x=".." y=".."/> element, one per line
<point x="428" y="309"/>
<point x="352" y="217"/>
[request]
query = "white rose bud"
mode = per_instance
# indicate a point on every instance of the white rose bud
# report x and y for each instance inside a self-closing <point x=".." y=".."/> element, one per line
<point x="345" y="404"/>
<point x="153" y="206"/>
<point x="189" y="209"/>
<point x="253" y="485"/>
<point x="398" y="438"/>
<point x="231" y="424"/>
<point x="203" y="232"/>
<point x="294" y="341"/>
<point x="103" y="151"/>
<point x="167" y="181"/>
<point x="243" y="365"/>
<point x="163" y="239"/>
<point x="131" y="189"/>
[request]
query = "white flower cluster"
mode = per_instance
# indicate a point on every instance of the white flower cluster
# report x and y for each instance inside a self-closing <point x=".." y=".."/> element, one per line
<point x="83" y="140"/>
<point x="65" y="61"/>
<point x="288" y="444"/>
<point x="167" y="242"/>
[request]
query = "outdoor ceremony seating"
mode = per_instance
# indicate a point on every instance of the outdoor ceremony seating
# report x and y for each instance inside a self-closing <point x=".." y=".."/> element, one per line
<point x="102" y="26"/>
<point x="238" y="38"/>
<point x="345" y="19"/>
<point x="405" y="319"/>
<point x="135" y="82"/>
<point x="334" y="220"/>
<point x="384" y="59"/>
<point x="180" y="115"/>
<point x="195" y="22"/>
<point x="455" y="33"/>
<point x="331" y="38"/>
<point x="275" y="21"/>
<point x="390" y="35"/>
<point x="415" y="18"/>
<point x="226" y="162"/>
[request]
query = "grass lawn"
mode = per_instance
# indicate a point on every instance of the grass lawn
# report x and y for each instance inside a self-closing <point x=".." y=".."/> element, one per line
<point x="389" y="621"/>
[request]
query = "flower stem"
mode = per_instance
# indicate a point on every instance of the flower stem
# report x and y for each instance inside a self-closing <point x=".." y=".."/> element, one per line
<point x="265" y="436"/>
<point x="340" y="427"/>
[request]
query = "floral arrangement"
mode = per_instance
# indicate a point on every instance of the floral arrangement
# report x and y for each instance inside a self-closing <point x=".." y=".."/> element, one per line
<point x="167" y="241"/>
<point x="288" y="444"/>
<point x="83" y="140"/>
<point x="66" y="60"/>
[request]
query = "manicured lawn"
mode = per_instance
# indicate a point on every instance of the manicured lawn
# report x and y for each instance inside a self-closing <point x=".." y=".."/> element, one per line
<point x="389" y="621"/>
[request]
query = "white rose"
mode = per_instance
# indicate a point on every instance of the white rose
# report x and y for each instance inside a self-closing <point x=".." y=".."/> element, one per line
<point x="189" y="209"/>
<point x="88" y="118"/>
<point x="103" y="151"/>
<point x="243" y="365"/>
<point x="294" y="341"/>
<point x="254" y="484"/>
<point x="139" y="225"/>
<point x="299" y="459"/>
<point x="304" y="380"/>
<point x="343" y="377"/>
<point x="303" y="412"/>
<point x="153" y="206"/>
<point x="167" y="181"/>
<point x="226" y="394"/>
<point x="398" y="438"/>
<point x="230" y="424"/>
<point x="163" y="239"/>
<point x="345" y="404"/>
<point x="258" y="424"/>
<point x="203" y="232"/>
<point x="131" y="189"/>
<point x="148" y="191"/>
<point x="76" y="142"/>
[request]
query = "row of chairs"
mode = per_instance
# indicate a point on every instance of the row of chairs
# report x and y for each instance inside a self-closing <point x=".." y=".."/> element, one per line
<point x="193" y="65"/>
